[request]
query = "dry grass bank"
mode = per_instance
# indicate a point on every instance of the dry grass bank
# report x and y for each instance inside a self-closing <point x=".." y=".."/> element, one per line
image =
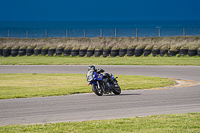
<point x="173" y="43"/>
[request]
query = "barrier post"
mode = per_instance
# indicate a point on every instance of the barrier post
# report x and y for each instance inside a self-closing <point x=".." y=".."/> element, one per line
<point x="115" y="32"/>
<point x="159" y="31"/>
<point x="8" y="34"/>
<point x="136" y="32"/>
<point x="46" y="33"/>
<point x="84" y="33"/>
<point x="66" y="32"/>
<point x="27" y="33"/>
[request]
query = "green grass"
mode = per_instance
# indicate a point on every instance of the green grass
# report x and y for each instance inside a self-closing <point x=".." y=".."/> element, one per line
<point x="176" y="123"/>
<point x="41" y="85"/>
<point x="34" y="60"/>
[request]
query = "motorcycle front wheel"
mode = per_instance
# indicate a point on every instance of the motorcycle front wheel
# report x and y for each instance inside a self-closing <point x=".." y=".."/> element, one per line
<point x="96" y="90"/>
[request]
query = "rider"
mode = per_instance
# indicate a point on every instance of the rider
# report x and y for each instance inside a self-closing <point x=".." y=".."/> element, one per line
<point x="100" y="71"/>
<point x="91" y="68"/>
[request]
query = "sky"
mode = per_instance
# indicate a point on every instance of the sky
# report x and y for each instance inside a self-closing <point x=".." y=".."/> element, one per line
<point x="70" y="10"/>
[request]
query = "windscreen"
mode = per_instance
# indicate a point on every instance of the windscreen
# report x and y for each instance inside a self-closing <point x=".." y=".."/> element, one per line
<point x="90" y="75"/>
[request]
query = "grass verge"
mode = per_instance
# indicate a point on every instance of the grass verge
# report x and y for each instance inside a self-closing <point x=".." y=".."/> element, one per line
<point x="34" y="60"/>
<point x="175" y="123"/>
<point x="41" y="85"/>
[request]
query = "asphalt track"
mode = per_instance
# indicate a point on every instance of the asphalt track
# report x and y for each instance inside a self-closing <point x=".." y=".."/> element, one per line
<point x="82" y="107"/>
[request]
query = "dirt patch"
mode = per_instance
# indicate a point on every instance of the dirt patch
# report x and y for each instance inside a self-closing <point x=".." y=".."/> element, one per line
<point x="179" y="83"/>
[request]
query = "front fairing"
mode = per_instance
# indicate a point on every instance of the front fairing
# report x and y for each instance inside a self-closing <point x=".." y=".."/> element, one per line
<point x="93" y="77"/>
<point x="97" y="76"/>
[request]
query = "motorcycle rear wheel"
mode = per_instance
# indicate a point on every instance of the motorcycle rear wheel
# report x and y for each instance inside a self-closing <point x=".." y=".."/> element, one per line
<point x="117" y="90"/>
<point x="96" y="90"/>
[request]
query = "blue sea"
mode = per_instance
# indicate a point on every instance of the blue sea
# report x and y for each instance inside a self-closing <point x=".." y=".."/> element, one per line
<point x="94" y="28"/>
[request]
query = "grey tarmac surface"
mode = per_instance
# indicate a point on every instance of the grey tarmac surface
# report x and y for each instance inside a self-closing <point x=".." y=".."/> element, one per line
<point x="83" y="107"/>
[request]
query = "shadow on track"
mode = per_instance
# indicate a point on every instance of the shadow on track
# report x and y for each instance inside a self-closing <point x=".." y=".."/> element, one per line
<point x="122" y="94"/>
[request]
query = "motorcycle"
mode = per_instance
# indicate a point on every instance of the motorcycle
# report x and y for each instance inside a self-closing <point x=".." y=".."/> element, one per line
<point x="102" y="83"/>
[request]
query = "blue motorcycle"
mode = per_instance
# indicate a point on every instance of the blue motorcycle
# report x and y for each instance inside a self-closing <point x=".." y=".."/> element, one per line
<point x="102" y="83"/>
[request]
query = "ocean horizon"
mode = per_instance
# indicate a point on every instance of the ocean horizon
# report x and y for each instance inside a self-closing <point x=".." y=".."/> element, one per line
<point x="145" y="28"/>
